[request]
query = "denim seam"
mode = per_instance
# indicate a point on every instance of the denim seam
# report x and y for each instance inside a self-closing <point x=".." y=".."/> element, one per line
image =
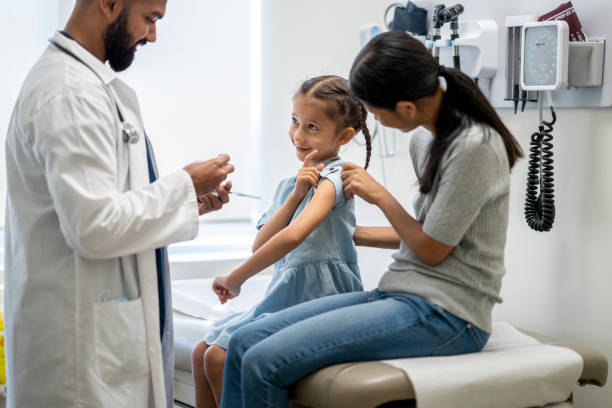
<point x="476" y="339"/>
<point x="332" y="229"/>
<point x="450" y="341"/>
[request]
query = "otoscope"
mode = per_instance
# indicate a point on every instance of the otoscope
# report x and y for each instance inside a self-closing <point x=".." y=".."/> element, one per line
<point x="437" y="24"/>
<point x="449" y="15"/>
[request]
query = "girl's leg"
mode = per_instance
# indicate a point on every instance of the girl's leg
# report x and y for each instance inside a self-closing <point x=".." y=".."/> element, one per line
<point x="203" y="394"/>
<point x="384" y="327"/>
<point x="266" y="326"/>
<point x="214" y="359"/>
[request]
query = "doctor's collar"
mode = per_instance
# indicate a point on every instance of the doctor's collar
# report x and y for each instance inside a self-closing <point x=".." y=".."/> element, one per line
<point x="65" y="34"/>
<point x="66" y="43"/>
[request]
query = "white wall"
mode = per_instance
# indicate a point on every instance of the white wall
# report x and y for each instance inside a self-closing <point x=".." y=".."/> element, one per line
<point x="193" y="84"/>
<point x="558" y="282"/>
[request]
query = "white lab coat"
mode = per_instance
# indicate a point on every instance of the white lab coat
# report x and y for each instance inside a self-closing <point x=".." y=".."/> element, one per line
<point x="82" y="224"/>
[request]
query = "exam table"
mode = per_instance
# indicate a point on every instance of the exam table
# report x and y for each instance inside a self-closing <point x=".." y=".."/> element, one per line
<point x="377" y="384"/>
<point x="354" y="384"/>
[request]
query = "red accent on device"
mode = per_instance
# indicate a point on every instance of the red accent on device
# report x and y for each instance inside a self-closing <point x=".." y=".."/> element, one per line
<point x="567" y="13"/>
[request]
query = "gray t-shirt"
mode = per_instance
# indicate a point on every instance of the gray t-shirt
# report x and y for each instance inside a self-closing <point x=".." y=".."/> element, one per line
<point x="467" y="208"/>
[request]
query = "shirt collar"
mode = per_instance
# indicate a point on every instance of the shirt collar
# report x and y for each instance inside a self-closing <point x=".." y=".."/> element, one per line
<point x="330" y="160"/>
<point x="106" y="74"/>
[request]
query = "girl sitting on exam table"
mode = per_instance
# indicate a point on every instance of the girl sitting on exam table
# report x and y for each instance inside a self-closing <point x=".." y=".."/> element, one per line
<point x="308" y="231"/>
<point x="437" y="296"/>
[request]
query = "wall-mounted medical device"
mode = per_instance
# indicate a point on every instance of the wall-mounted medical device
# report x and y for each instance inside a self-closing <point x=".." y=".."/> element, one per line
<point x="514" y="39"/>
<point x="544" y="67"/>
<point x="540" y="196"/>
<point x="551" y="62"/>
<point x="477" y="47"/>
<point x="544" y="56"/>
<point x="556" y="54"/>
<point x="545" y="62"/>
<point x="493" y="56"/>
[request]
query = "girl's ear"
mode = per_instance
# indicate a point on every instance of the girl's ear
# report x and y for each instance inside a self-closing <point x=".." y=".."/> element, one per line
<point x="346" y="136"/>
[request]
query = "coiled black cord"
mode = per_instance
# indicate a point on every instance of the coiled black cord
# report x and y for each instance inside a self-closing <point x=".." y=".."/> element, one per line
<point x="540" y="208"/>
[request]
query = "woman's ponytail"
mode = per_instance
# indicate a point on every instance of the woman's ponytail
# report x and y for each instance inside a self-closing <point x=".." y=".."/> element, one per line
<point x="464" y="103"/>
<point x="395" y="66"/>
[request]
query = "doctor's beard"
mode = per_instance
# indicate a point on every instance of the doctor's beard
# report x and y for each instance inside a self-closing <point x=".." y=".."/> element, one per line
<point x="118" y="42"/>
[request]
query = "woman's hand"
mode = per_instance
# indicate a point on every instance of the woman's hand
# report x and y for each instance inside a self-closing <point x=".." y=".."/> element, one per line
<point x="225" y="288"/>
<point x="356" y="180"/>
<point x="308" y="176"/>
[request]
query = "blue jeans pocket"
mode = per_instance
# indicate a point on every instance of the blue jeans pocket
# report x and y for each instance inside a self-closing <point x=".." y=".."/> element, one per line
<point x="467" y="340"/>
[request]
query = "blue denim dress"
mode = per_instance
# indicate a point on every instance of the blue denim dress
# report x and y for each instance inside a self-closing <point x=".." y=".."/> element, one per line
<point x="324" y="264"/>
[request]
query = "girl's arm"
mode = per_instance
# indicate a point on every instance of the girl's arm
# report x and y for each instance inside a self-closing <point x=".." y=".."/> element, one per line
<point x="307" y="176"/>
<point x="285" y="241"/>
<point x="378" y="237"/>
<point x="358" y="181"/>
<point x="277" y="222"/>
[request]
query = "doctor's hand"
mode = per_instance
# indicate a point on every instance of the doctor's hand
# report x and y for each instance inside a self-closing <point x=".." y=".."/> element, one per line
<point x="356" y="180"/>
<point x="307" y="176"/>
<point x="214" y="201"/>
<point x="225" y="289"/>
<point x="208" y="175"/>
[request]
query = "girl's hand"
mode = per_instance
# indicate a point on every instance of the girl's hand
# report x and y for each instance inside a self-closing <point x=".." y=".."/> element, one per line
<point x="225" y="289"/>
<point x="356" y="180"/>
<point x="308" y="176"/>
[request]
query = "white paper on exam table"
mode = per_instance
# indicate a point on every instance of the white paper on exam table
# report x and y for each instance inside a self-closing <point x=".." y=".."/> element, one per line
<point x="514" y="370"/>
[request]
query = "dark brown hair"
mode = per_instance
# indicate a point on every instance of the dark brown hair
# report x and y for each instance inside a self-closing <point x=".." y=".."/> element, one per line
<point x="345" y="108"/>
<point x="395" y="67"/>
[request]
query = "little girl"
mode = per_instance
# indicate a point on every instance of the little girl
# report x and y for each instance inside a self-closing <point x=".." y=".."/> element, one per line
<point x="307" y="233"/>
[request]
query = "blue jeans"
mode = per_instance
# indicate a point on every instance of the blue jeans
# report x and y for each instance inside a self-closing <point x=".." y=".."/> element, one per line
<point x="267" y="355"/>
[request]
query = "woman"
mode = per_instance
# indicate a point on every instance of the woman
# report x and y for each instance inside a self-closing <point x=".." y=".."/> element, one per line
<point x="437" y="296"/>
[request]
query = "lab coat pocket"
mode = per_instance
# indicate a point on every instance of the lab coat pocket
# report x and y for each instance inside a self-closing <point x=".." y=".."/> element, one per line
<point x="120" y="340"/>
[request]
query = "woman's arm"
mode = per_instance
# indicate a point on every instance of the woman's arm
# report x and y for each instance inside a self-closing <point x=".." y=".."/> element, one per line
<point x="377" y="237"/>
<point x="280" y="244"/>
<point x="358" y="181"/>
<point x="429" y="250"/>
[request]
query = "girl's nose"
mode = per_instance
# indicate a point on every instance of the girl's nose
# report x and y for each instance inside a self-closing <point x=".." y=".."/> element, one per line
<point x="298" y="136"/>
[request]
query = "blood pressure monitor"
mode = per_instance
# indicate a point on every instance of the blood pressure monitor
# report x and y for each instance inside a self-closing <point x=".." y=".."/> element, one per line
<point x="544" y="55"/>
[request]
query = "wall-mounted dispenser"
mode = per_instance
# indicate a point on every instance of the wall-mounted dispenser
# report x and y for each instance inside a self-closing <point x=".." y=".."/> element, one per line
<point x="586" y="63"/>
<point x="477" y="48"/>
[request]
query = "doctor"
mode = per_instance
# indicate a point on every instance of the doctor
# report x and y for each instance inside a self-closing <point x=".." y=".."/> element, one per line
<point x="87" y="292"/>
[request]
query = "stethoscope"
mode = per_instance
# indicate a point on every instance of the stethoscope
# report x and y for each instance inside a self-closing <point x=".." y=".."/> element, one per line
<point x="129" y="132"/>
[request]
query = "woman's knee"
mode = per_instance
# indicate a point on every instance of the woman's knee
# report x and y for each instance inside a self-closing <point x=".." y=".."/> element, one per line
<point x="241" y="340"/>
<point x="197" y="355"/>
<point x="214" y="359"/>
